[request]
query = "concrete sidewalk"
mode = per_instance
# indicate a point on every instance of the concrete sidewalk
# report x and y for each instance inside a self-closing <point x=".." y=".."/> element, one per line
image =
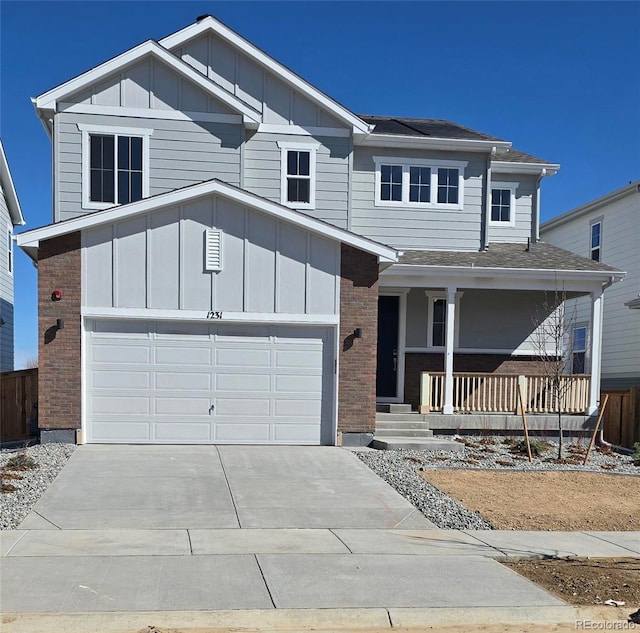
<point x="273" y="532"/>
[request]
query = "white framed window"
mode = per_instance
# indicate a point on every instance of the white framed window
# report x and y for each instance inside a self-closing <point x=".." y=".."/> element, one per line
<point x="578" y="349"/>
<point x="10" y="252"/>
<point x="503" y="204"/>
<point x="115" y="165"/>
<point x="298" y="174"/>
<point x="595" y="243"/>
<point x="437" y="319"/>
<point x="419" y="182"/>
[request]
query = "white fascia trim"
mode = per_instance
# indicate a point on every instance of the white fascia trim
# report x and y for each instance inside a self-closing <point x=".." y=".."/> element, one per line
<point x="211" y="24"/>
<point x="201" y="315"/>
<point x="512" y="187"/>
<point x="589" y="207"/>
<point x="307" y="130"/>
<point x="424" y="142"/>
<point x="48" y="100"/>
<point x="13" y="204"/>
<point x="504" y="167"/>
<point x="111" y="130"/>
<point x="33" y="237"/>
<point x="149" y="113"/>
<point x="478" y="271"/>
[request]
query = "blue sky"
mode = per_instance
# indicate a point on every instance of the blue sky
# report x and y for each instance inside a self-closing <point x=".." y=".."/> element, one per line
<point x="560" y="80"/>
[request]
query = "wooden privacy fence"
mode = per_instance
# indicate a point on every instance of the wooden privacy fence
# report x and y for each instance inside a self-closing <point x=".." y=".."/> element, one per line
<point x="18" y="403"/>
<point x="621" y="422"/>
<point x="498" y="393"/>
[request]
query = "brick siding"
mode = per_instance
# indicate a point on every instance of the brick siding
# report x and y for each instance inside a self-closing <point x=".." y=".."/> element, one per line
<point x="415" y="364"/>
<point x="358" y="309"/>
<point x="59" y="367"/>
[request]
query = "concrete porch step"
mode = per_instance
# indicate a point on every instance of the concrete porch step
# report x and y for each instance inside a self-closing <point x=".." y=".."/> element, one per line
<point x="401" y="424"/>
<point x="403" y="432"/>
<point x="423" y="444"/>
<point x="400" y="417"/>
<point x="393" y="408"/>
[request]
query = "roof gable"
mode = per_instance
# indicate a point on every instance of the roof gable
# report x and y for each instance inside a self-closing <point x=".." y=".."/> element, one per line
<point x="188" y="42"/>
<point x="129" y="64"/>
<point x="30" y="239"/>
<point x="9" y="191"/>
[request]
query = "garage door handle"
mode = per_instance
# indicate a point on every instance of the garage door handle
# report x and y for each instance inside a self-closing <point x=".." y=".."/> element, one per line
<point x="211" y="408"/>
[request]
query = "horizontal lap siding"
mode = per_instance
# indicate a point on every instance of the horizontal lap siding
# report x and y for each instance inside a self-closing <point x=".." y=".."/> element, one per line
<point x="620" y="239"/>
<point x="262" y="172"/>
<point x="6" y="291"/>
<point x="412" y="227"/>
<point x="526" y="186"/>
<point x="181" y="153"/>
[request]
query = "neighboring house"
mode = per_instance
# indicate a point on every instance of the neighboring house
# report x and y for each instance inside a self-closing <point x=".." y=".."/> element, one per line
<point x="10" y="216"/>
<point x="607" y="230"/>
<point x="236" y="257"/>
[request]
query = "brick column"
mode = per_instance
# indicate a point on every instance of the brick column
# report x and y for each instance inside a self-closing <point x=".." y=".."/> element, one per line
<point x="59" y="353"/>
<point x="358" y="309"/>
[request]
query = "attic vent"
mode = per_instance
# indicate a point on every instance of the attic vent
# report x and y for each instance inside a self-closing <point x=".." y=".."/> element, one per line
<point x="213" y="250"/>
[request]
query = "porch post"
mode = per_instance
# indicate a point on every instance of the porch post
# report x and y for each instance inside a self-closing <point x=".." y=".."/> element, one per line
<point x="448" y="350"/>
<point x="596" y="350"/>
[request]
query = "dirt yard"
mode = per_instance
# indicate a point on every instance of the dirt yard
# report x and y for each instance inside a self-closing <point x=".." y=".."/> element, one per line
<point x="556" y="500"/>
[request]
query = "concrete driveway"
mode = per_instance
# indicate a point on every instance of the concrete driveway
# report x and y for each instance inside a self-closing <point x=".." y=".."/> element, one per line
<point x="190" y="528"/>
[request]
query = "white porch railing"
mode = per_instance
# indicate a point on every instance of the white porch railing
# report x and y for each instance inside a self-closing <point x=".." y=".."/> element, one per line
<point x="498" y="393"/>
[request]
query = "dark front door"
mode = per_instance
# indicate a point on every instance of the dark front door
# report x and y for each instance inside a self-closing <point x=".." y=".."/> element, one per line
<point x="387" y="372"/>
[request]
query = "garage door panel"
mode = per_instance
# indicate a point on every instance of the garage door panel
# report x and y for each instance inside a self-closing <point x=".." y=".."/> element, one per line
<point x="185" y="381"/>
<point x="182" y="431"/>
<point x="194" y="356"/>
<point x="120" y="403"/>
<point x="122" y="354"/>
<point x="110" y="379"/>
<point x="241" y="382"/>
<point x="120" y="431"/>
<point x="154" y="383"/>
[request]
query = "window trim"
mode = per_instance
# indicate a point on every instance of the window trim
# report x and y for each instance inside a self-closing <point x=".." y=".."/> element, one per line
<point x="87" y="130"/>
<point x="594" y="222"/>
<point x="432" y="295"/>
<point x="406" y="163"/>
<point x="301" y="146"/>
<point x="512" y="187"/>
<point x="575" y="351"/>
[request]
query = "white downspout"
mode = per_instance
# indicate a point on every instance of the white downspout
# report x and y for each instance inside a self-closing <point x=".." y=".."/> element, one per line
<point x="484" y="244"/>
<point x="535" y="225"/>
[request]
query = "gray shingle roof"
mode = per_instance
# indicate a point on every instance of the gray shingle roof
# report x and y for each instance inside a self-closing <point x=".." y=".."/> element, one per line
<point x="540" y="256"/>
<point x="516" y="156"/>
<point x="436" y="128"/>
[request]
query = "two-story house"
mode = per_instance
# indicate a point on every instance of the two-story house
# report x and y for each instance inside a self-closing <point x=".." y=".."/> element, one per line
<point x="10" y="217"/>
<point x="236" y="257"/>
<point x="607" y="230"/>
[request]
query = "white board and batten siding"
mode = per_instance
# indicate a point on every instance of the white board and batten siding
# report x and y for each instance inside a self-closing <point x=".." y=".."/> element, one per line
<point x="414" y="227"/>
<point x="263" y="373"/>
<point x="278" y="103"/>
<point x="181" y="153"/>
<point x="6" y="290"/>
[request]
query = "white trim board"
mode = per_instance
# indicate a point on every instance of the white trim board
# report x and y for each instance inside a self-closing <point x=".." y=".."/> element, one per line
<point x="15" y="212"/>
<point x="32" y="238"/>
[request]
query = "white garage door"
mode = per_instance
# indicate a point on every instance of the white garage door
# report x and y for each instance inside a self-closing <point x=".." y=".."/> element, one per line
<point x="170" y="383"/>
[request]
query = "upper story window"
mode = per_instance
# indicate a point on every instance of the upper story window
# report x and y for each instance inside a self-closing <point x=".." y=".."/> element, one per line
<point x="596" y="241"/>
<point x="298" y="180"/>
<point x="503" y="198"/>
<point x="578" y="350"/>
<point x="9" y="252"/>
<point x="419" y="182"/>
<point x="115" y="165"/>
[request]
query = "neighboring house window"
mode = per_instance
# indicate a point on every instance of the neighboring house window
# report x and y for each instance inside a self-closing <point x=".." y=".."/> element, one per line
<point x="503" y="203"/>
<point x="578" y="350"/>
<point x="10" y="252"/>
<point x="596" y="241"/>
<point x="298" y="174"/>
<point x="419" y="182"/>
<point x="115" y="165"/>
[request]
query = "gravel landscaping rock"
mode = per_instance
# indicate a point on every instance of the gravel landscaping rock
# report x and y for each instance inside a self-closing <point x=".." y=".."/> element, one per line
<point x="49" y="459"/>
<point x="401" y="468"/>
